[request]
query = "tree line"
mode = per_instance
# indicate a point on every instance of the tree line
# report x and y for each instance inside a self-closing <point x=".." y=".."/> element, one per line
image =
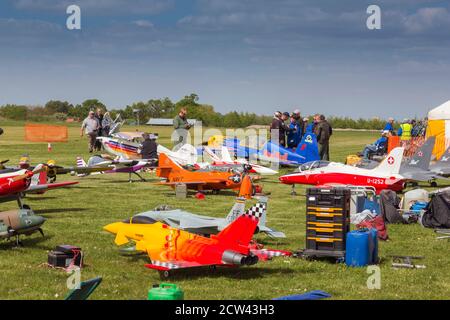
<point x="56" y="110"/>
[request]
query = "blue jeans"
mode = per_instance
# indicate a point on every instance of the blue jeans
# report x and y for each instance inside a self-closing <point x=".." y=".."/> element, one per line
<point x="369" y="149"/>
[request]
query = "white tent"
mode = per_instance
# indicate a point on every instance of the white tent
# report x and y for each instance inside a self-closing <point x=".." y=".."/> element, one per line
<point x="439" y="126"/>
<point x="440" y="113"/>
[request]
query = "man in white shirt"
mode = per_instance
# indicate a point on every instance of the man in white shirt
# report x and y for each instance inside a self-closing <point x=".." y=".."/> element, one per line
<point x="90" y="126"/>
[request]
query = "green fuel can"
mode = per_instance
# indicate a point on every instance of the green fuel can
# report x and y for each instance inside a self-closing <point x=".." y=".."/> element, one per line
<point x="165" y="291"/>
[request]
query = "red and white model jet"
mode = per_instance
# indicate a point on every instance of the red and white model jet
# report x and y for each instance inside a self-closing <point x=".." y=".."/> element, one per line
<point x="14" y="184"/>
<point x="384" y="176"/>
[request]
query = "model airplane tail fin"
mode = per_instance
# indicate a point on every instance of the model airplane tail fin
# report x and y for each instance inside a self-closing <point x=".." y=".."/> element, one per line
<point x="237" y="210"/>
<point x="308" y="148"/>
<point x="445" y="157"/>
<point x="391" y="164"/>
<point x="39" y="178"/>
<point x="225" y="154"/>
<point x="421" y="158"/>
<point x="261" y="212"/>
<point x="188" y="153"/>
<point x="81" y="163"/>
<point x="240" y="232"/>
<point x="167" y="166"/>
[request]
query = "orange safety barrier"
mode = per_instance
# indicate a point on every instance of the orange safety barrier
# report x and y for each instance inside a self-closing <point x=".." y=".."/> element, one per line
<point x="393" y="142"/>
<point x="45" y="133"/>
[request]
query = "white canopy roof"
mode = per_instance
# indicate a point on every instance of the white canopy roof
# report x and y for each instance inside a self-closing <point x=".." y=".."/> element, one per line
<point x="440" y="113"/>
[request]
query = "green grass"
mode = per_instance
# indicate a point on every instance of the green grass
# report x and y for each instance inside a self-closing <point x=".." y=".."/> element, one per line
<point x="77" y="215"/>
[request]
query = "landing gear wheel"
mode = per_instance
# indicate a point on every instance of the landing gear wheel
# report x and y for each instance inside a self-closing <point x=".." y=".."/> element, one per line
<point x="26" y="207"/>
<point x="165" y="274"/>
<point x="293" y="192"/>
<point x="433" y="184"/>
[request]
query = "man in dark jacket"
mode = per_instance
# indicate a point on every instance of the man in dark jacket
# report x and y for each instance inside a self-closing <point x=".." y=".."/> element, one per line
<point x="149" y="148"/>
<point x="323" y="132"/>
<point x="279" y="124"/>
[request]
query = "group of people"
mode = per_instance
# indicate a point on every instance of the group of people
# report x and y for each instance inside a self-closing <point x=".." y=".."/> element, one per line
<point x="407" y="130"/>
<point x="96" y="124"/>
<point x="290" y="132"/>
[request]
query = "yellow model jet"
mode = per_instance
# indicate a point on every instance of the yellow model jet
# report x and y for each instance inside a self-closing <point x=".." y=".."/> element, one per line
<point x="169" y="248"/>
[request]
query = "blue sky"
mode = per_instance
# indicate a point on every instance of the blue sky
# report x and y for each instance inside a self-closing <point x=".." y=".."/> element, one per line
<point x="245" y="55"/>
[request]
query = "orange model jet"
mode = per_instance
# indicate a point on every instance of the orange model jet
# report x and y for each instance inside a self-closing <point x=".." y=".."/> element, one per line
<point x="198" y="179"/>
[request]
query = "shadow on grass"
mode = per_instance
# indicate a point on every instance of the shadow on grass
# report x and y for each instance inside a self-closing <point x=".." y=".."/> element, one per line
<point x="230" y="272"/>
<point x="31" y="241"/>
<point x="43" y="212"/>
<point x="211" y="272"/>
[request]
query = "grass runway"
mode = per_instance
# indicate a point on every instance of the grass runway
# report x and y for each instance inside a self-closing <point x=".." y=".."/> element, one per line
<point x="76" y="216"/>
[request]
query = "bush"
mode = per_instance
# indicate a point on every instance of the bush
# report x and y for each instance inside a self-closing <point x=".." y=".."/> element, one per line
<point x="14" y="112"/>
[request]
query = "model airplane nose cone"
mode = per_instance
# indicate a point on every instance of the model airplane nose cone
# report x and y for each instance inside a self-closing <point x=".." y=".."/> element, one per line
<point x="112" y="227"/>
<point x="38" y="220"/>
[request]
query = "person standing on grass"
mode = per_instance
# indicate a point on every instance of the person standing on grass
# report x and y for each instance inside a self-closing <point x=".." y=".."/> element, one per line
<point x="99" y="117"/>
<point x="278" y="126"/>
<point x="107" y="122"/>
<point x="323" y="131"/>
<point x="295" y="133"/>
<point x="90" y="126"/>
<point x="181" y="127"/>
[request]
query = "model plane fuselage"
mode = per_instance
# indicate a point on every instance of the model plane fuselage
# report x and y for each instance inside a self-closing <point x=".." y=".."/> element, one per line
<point x="196" y="179"/>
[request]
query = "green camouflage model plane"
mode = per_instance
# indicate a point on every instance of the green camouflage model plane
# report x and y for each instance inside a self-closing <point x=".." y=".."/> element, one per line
<point x="14" y="223"/>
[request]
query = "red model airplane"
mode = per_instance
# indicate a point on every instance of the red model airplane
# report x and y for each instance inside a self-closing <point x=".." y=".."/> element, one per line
<point x="15" y="183"/>
<point x="384" y="176"/>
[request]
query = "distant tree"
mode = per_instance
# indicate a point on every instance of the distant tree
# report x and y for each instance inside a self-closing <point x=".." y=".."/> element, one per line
<point x="56" y="106"/>
<point x="14" y="112"/>
<point x="81" y="110"/>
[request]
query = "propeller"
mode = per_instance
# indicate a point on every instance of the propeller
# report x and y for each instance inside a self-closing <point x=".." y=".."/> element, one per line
<point x="41" y="232"/>
<point x="4" y="161"/>
<point x="39" y="168"/>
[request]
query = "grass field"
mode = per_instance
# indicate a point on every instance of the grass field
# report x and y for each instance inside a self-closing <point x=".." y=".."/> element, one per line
<point x="77" y="215"/>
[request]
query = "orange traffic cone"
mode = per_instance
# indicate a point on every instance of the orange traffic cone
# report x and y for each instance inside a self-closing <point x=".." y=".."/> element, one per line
<point x="246" y="189"/>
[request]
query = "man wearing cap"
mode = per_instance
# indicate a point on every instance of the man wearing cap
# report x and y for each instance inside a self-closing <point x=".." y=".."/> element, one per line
<point x="90" y="126"/>
<point x="389" y="126"/>
<point x="380" y="144"/>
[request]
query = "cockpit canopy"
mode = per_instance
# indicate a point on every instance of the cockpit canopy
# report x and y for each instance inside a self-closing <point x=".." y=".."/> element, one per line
<point x="140" y="220"/>
<point x="313" y="165"/>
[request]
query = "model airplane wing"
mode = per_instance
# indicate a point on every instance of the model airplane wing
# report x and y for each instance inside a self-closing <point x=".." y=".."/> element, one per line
<point x="422" y="176"/>
<point x="184" y="182"/>
<point x="44" y="187"/>
<point x="272" y="233"/>
<point x="192" y="223"/>
<point x="82" y="170"/>
<point x="191" y="182"/>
